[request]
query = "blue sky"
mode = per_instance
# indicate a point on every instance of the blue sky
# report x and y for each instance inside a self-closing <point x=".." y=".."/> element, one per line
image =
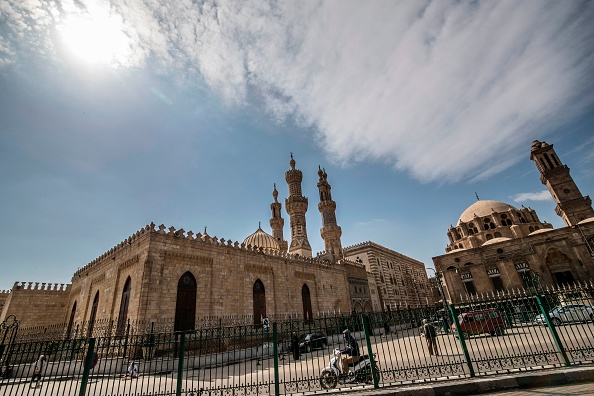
<point x="117" y="114"/>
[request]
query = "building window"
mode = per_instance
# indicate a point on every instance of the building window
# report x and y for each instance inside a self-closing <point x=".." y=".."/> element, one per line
<point x="497" y="283"/>
<point x="185" y="304"/>
<point x="259" y="294"/>
<point x="470" y="289"/>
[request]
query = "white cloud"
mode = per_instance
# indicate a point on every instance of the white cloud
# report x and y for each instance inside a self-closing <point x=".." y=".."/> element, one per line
<point x="543" y="195"/>
<point x="444" y="90"/>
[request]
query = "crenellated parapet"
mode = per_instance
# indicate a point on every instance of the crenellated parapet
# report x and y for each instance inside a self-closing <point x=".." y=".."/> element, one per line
<point x="198" y="238"/>
<point x="41" y="286"/>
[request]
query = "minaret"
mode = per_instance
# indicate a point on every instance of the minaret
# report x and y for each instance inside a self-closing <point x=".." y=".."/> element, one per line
<point x="296" y="206"/>
<point x="572" y="206"/>
<point x="330" y="231"/>
<point x="277" y="222"/>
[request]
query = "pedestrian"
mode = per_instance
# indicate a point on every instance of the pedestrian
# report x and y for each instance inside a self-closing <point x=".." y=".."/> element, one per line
<point x="295" y="346"/>
<point x="431" y="337"/>
<point x="38" y="370"/>
<point x="386" y="328"/>
<point x="132" y="371"/>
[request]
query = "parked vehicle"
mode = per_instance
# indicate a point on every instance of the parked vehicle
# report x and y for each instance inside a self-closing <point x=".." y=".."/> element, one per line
<point x="362" y="372"/>
<point x="478" y="322"/>
<point x="567" y="314"/>
<point x="308" y="342"/>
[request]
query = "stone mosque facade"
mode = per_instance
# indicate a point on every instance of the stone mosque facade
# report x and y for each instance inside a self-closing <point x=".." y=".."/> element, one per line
<point x="496" y="247"/>
<point x="160" y="274"/>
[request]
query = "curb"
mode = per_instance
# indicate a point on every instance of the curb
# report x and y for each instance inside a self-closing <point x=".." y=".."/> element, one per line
<point x="475" y="386"/>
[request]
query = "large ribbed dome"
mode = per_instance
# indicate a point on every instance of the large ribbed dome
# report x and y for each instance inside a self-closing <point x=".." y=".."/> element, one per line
<point x="261" y="239"/>
<point x="483" y="208"/>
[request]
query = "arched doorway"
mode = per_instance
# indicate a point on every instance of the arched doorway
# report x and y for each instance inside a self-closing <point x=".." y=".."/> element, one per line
<point x="259" y="294"/>
<point x="71" y="321"/>
<point x="367" y="307"/>
<point x="559" y="264"/>
<point x="306" y="299"/>
<point x="357" y="307"/>
<point x="93" y="316"/>
<point x="123" y="315"/>
<point x="185" y="304"/>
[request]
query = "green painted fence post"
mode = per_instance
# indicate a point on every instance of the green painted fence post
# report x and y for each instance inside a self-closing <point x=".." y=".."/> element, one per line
<point x="462" y="340"/>
<point x="87" y="367"/>
<point x="374" y="373"/>
<point x="552" y="329"/>
<point x="180" y="367"/>
<point x="275" y="352"/>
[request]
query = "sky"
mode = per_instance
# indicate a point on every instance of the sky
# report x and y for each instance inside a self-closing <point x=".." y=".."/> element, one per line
<point x="115" y="114"/>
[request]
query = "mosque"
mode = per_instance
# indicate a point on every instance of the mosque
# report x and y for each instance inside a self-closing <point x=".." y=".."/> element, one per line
<point x="162" y="274"/>
<point x="496" y="247"/>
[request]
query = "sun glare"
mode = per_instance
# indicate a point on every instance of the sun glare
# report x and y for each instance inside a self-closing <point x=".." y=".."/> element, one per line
<point x="96" y="37"/>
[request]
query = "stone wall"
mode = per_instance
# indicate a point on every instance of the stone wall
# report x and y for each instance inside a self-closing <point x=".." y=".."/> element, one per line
<point x="36" y="303"/>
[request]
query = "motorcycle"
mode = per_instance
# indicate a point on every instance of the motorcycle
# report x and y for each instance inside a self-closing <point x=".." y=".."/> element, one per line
<point x="361" y="372"/>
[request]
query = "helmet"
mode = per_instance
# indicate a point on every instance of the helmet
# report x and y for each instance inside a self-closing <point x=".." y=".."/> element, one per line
<point x="346" y="333"/>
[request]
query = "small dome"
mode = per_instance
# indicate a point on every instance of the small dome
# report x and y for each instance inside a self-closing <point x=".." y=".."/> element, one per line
<point x="496" y="240"/>
<point x="588" y="220"/>
<point x="483" y="208"/>
<point x="541" y="231"/>
<point x="261" y="239"/>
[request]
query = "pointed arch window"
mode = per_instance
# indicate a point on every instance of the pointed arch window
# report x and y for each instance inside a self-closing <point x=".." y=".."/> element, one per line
<point x="71" y="321"/>
<point x="125" y="301"/>
<point x="306" y="299"/>
<point x="93" y="316"/>
<point x="259" y="297"/>
<point x="185" y="304"/>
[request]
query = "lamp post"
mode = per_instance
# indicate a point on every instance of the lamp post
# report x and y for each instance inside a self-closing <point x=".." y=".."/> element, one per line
<point x="590" y="249"/>
<point x="443" y="297"/>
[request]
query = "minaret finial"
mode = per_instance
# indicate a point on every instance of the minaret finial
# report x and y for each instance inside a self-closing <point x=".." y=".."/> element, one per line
<point x="205" y="229"/>
<point x="477" y="197"/>
<point x="259" y="224"/>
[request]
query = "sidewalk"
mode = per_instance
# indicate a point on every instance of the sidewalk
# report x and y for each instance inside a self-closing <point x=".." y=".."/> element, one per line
<point x="506" y="382"/>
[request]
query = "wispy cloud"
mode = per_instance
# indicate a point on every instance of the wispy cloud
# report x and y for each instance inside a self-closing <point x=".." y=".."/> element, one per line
<point x="543" y="195"/>
<point x="444" y="90"/>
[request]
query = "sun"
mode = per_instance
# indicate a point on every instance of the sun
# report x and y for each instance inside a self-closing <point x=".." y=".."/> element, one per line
<point x="96" y="37"/>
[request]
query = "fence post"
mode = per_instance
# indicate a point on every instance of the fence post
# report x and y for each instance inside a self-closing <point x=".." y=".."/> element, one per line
<point x="552" y="329"/>
<point x="275" y="353"/>
<point x="180" y="368"/>
<point x="367" y="330"/>
<point x="87" y="367"/>
<point x="461" y="339"/>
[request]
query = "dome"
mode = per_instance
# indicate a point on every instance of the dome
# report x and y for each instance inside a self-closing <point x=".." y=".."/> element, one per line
<point x="483" y="208"/>
<point x="540" y="231"/>
<point x="588" y="220"/>
<point x="496" y="240"/>
<point x="262" y="240"/>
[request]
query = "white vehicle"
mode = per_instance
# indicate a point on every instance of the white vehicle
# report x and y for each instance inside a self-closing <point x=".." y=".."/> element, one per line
<point x="361" y="371"/>
<point x="567" y="314"/>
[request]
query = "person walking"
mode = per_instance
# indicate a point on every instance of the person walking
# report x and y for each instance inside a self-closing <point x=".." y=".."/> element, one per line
<point x="431" y="337"/>
<point x="38" y="370"/>
<point x="295" y="346"/>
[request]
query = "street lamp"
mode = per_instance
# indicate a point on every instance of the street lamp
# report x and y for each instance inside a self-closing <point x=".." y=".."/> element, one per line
<point x="443" y="297"/>
<point x="590" y="249"/>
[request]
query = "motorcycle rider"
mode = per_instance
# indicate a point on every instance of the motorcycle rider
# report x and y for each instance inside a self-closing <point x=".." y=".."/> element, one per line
<point x="350" y="354"/>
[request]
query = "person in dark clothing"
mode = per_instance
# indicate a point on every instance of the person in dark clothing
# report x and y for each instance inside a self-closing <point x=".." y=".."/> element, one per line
<point x="350" y="354"/>
<point x="295" y="346"/>
<point x="431" y="337"/>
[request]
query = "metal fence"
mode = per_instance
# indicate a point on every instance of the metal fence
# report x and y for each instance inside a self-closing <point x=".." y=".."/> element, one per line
<point x="485" y="335"/>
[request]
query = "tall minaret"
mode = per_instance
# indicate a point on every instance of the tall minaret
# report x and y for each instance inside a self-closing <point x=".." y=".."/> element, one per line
<point x="572" y="206"/>
<point x="330" y="231"/>
<point x="296" y="206"/>
<point x="277" y="222"/>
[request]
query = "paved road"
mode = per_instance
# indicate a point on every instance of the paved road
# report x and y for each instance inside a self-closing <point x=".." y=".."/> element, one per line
<point x="584" y="389"/>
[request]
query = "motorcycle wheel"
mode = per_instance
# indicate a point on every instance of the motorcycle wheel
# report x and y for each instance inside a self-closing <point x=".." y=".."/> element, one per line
<point x="328" y="380"/>
<point x="378" y="375"/>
